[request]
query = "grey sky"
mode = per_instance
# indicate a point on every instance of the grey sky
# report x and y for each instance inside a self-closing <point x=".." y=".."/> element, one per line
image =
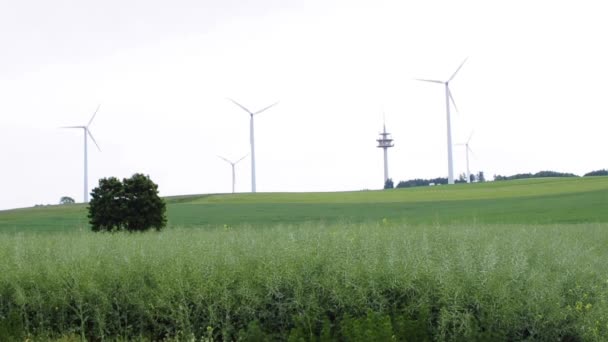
<point x="532" y="91"/>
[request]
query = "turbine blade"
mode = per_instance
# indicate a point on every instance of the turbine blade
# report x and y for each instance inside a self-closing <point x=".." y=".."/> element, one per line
<point x="91" y="135"/>
<point x="72" y="127"/>
<point x="93" y="117"/>
<point x="240" y="105"/>
<point x="470" y="136"/>
<point x="452" y="99"/>
<point x="228" y="161"/>
<point x="243" y="157"/>
<point x="424" y="80"/>
<point x="261" y="110"/>
<point x="455" y="72"/>
<point x="472" y="153"/>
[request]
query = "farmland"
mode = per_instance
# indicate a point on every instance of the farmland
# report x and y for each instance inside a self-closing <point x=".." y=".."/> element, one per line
<point x="517" y="260"/>
<point x="529" y="201"/>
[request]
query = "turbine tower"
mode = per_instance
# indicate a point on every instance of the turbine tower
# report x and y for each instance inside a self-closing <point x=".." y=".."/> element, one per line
<point x="87" y="133"/>
<point x="385" y="142"/>
<point x="252" y="114"/>
<point x="468" y="149"/>
<point x="448" y="98"/>
<point x="233" y="164"/>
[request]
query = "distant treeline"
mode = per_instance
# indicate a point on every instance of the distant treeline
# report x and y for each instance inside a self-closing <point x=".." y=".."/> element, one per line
<point x="480" y="178"/>
<point x="540" y="174"/>
<point x="421" y="182"/>
<point x="597" y="173"/>
<point x="549" y="174"/>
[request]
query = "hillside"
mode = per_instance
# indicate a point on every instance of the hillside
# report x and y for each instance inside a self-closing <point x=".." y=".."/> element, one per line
<point x="548" y="200"/>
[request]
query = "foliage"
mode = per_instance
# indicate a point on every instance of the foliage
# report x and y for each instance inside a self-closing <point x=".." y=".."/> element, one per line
<point x="309" y="282"/>
<point x="145" y="209"/>
<point x="422" y="182"/>
<point x="389" y="184"/>
<point x="481" y="177"/>
<point x="462" y="178"/>
<point x="553" y="174"/>
<point x="517" y="176"/>
<point x="540" y="174"/>
<point x="107" y="208"/>
<point x="66" y="200"/>
<point x="472" y="178"/>
<point x="132" y="204"/>
<point x="602" y="172"/>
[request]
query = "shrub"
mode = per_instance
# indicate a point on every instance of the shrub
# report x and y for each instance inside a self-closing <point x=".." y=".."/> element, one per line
<point x="133" y="205"/>
<point x="389" y="184"/>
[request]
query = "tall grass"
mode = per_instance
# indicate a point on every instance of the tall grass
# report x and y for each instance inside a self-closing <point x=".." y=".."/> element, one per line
<point x="309" y="282"/>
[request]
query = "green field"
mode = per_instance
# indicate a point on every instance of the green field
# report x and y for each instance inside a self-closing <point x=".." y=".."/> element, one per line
<point x="507" y="261"/>
<point x="529" y="201"/>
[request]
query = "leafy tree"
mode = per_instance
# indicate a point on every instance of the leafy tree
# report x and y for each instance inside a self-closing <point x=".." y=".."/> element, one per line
<point x="389" y="184"/>
<point x="462" y="178"/>
<point x="66" y="200"/>
<point x="145" y="209"/>
<point x="107" y="207"/>
<point x="132" y="204"/>
<point x="481" y="177"/>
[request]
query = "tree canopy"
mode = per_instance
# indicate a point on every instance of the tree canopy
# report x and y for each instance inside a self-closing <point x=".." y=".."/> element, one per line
<point x="132" y="205"/>
<point x="66" y="200"/>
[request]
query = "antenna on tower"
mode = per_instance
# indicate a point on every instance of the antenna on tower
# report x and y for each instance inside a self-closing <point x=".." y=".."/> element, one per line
<point x="385" y="142"/>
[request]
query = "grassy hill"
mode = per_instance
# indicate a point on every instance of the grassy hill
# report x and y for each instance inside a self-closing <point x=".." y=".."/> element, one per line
<point x="536" y="201"/>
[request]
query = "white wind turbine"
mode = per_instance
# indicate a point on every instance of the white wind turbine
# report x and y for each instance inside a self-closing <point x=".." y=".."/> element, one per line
<point x="468" y="149"/>
<point x="251" y="137"/>
<point x="233" y="164"/>
<point x="448" y="98"/>
<point x="87" y="133"/>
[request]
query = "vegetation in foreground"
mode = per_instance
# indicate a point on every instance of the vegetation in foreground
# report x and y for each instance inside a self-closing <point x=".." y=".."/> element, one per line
<point x="380" y="281"/>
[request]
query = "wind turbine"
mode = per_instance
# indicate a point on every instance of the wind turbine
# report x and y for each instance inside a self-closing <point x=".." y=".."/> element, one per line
<point x="448" y="98"/>
<point x="233" y="164"/>
<point x="468" y="149"/>
<point x="252" y="114"/>
<point x="87" y="133"/>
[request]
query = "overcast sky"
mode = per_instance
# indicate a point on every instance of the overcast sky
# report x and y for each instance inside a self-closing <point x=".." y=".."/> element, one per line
<point x="533" y="91"/>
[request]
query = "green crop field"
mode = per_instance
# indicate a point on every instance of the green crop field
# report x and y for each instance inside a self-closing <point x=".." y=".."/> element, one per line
<point x="502" y="261"/>
<point x="536" y="201"/>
